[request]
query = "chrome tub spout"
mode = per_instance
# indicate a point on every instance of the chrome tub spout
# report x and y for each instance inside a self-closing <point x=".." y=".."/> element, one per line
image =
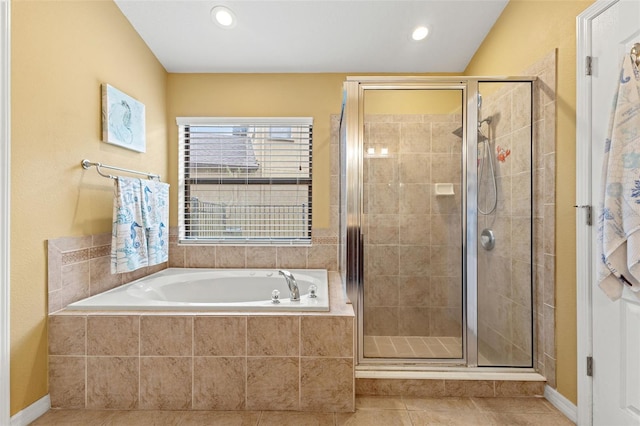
<point x="294" y="291"/>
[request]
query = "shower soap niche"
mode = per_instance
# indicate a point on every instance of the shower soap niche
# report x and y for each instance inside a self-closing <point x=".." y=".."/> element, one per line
<point x="444" y="189"/>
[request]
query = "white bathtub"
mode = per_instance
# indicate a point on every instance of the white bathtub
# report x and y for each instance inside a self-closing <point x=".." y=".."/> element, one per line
<point x="213" y="290"/>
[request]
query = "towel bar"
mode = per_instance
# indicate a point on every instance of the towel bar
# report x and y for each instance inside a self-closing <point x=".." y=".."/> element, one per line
<point x="86" y="164"/>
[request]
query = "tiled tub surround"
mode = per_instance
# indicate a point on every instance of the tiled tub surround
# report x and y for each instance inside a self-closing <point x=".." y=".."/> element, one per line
<point x="204" y="361"/>
<point x="79" y="267"/>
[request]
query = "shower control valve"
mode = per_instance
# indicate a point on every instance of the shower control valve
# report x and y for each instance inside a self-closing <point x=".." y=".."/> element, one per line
<point x="313" y="289"/>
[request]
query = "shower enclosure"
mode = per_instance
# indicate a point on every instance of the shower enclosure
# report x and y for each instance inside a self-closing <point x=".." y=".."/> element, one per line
<point x="437" y="219"/>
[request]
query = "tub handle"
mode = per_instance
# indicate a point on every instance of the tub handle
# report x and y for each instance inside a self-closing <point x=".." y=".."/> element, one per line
<point x="275" y="296"/>
<point x="313" y="289"/>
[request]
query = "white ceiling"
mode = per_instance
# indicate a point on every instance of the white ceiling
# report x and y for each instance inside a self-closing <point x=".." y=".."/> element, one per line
<point x="302" y="36"/>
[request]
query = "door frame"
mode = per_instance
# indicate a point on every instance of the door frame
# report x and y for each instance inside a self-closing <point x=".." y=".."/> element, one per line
<point x="5" y="188"/>
<point x="584" y="250"/>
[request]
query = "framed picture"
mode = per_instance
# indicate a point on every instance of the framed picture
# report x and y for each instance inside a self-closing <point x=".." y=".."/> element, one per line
<point x="122" y="119"/>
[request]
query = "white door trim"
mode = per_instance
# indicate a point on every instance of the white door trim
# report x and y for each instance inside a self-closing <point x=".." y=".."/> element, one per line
<point x="5" y="187"/>
<point x="584" y="252"/>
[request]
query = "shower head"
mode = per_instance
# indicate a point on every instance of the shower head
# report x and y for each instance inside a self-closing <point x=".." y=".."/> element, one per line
<point x="486" y="120"/>
<point x="481" y="137"/>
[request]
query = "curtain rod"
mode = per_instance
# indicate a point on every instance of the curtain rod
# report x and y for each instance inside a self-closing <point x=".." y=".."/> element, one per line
<point x="86" y="164"/>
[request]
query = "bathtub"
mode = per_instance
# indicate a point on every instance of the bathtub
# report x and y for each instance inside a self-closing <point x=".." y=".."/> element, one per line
<point x="213" y="290"/>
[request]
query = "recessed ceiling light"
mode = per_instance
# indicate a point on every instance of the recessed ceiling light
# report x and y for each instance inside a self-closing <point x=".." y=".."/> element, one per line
<point x="420" y="33"/>
<point x="223" y="16"/>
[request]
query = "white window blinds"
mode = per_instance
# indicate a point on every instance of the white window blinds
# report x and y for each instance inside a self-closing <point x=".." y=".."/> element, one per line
<point x="245" y="180"/>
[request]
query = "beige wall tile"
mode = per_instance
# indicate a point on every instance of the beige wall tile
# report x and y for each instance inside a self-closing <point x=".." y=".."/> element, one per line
<point x="326" y="336"/>
<point x="67" y="381"/>
<point x="113" y="335"/>
<point x="230" y="257"/>
<point x="200" y="256"/>
<point x="220" y="336"/>
<point x="326" y="384"/>
<point x="165" y="383"/>
<point x="112" y="382"/>
<point x="273" y="336"/>
<point x="101" y="278"/>
<point x="75" y="282"/>
<point x="166" y="335"/>
<point x="414" y="168"/>
<point x="291" y="257"/>
<point x="415" y="137"/>
<point x="261" y="257"/>
<point x="472" y="388"/>
<point x="414" y="321"/>
<point x="414" y="260"/>
<point x="71" y="243"/>
<point x="381" y="260"/>
<point x="323" y="257"/>
<point x="67" y="335"/>
<point x="414" y="291"/>
<point x="415" y="229"/>
<point x="54" y="267"/>
<point x="219" y="383"/>
<point x="381" y="321"/>
<point x="273" y="383"/>
<point x="383" y="229"/>
<point x="518" y="388"/>
<point x="381" y="290"/>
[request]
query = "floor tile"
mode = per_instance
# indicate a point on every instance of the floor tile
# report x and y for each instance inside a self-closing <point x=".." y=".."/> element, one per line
<point x="297" y="418"/>
<point x="219" y="418"/>
<point x="521" y="405"/>
<point x="144" y="418"/>
<point x="370" y="411"/>
<point x="73" y="418"/>
<point x="374" y="418"/>
<point x="537" y="419"/>
<point x="379" y="403"/>
<point x="439" y="404"/>
<point x="450" y="418"/>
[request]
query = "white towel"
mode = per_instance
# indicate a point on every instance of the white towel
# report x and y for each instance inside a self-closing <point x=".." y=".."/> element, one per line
<point x="128" y="240"/>
<point x="155" y="217"/>
<point x="619" y="219"/>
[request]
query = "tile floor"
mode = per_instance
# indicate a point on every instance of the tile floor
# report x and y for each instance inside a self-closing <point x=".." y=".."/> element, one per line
<point x="370" y="411"/>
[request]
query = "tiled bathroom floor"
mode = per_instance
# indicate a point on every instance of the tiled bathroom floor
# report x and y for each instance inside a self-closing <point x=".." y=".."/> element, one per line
<point x="412" y="347"/>
<point x="370" y="411"/>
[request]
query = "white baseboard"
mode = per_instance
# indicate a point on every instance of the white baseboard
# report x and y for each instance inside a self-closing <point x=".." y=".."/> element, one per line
<point x="565" y="406"/>
<point x="32" y="412"/>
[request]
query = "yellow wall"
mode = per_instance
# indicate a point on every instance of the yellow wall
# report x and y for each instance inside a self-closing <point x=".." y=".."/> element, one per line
<point x="525" y="32"/>
<point x="412" y="101"/>
<point x="61" y="53"/>
<point x="260" y="95"/>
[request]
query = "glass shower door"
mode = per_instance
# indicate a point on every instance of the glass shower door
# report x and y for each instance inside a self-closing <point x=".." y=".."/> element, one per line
<point x="412" y="224"/>
<point x="506" y="220"/>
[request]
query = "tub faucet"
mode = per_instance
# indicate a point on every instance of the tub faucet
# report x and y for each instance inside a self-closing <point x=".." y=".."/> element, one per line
<point x="294" y="292"/>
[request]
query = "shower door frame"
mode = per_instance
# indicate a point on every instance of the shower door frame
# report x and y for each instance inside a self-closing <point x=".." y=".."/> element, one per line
<point x="352" y="172"/>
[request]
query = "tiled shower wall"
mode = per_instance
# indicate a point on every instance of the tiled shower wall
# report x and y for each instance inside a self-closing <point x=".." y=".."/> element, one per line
<point x="412" y="236"/>
<point x="505" y="272"/>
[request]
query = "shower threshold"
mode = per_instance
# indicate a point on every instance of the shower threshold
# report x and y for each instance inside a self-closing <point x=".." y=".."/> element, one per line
<point x="425" y="372"/>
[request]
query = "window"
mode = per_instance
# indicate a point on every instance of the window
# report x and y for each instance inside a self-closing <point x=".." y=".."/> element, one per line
<point x="245" y="180"/>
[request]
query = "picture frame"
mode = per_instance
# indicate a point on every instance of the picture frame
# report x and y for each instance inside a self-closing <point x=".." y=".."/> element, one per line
<point x="123" y="119"/>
